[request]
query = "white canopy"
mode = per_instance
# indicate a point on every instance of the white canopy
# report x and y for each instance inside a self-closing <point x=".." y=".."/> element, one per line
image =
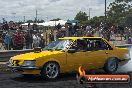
<point x="49" y="23"/>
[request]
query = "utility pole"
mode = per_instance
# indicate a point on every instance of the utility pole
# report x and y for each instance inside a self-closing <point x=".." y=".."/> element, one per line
<point x="36" y="16"/>
<point x="24" y="19"/>
<point x="105" y="12"/>
<point x="90" y="13"/>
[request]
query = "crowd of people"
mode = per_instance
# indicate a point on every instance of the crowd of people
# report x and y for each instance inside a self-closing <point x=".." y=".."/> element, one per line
<point x="20" y="39"/>
<point x="31" y="37"/>
<point x="107" y="32"/>
<point x="17" y="38"/>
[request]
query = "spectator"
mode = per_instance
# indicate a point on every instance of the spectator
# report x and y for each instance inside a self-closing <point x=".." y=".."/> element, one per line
<point x="18" y="40"/>
<point x="3" y="36"/>
<point x="51" y="37"/>
<point x="74" y="30"/>
<point x="5" y="26"/>
<point x="130" y="40"/>
<point x="7" y="41"/>
<point x="42" y="41"/>
<point x="36" y="40"/>
<point x="58" y="26"/>
<point x="28" y="40"/>
<point x="66" y="30"/>
<point x="70" y="30"/>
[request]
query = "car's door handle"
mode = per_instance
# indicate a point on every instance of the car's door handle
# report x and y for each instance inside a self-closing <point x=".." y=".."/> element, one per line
<point x="106" y="52"/>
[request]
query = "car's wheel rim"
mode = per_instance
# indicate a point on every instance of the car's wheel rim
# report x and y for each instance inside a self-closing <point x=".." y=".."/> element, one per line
<point x="52" y="70"/>
<point x="112" y="65"/>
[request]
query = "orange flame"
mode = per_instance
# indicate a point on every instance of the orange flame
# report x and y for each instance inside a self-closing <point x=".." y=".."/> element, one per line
<point x="81" y="71"/>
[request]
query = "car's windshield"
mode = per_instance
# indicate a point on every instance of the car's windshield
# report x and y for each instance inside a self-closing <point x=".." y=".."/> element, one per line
<point x="58" y="45"/>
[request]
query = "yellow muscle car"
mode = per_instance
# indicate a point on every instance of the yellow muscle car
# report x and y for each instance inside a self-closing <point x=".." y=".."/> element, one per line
<point x="68" y="54"/>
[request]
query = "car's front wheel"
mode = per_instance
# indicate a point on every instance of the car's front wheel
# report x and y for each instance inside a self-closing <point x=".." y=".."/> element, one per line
<point x="111" y="65"/>
<point x="50" y="70"/>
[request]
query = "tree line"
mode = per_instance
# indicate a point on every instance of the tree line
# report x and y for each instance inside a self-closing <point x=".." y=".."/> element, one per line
<point x="118" y="12"/>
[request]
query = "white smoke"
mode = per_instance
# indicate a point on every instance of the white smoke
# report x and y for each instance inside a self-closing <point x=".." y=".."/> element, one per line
<point x="127" y="67"/>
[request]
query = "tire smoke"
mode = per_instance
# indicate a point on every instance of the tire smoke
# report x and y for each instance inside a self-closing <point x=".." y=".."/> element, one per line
<point x="127" y="67"/>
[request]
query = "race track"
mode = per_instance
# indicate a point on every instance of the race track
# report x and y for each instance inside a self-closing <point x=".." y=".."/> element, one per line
<point x="13" y="80"/>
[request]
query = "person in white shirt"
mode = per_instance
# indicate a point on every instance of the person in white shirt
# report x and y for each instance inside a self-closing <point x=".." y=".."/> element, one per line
<point x="36" y="40"/>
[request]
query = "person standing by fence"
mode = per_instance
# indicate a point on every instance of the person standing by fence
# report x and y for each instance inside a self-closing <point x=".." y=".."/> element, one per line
<point x="18" y="40"/>
<point x="42" y="40"/>
<point x="36" y="40"/>
<point x="28" y="40"/>
<point x="7" y="41"/>
<point x="51" y="37"/>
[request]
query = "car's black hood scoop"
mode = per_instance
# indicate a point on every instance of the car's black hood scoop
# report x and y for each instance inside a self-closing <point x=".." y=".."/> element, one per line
<point x="37" y="49"/>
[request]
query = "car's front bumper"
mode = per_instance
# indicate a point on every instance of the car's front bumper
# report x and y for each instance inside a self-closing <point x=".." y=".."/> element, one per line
<point x="21" y="68"/>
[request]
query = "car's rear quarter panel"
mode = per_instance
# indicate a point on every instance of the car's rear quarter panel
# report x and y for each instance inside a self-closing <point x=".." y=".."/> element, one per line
<point x="120" y="52"/>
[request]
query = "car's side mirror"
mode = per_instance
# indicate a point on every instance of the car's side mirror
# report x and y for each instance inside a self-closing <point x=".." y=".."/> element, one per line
<point x="71" y="50"/>
<point x="37" y="49"/>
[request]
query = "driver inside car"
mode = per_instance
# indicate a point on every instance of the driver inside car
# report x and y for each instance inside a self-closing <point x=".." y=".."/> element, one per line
<point x="82" y="45"/>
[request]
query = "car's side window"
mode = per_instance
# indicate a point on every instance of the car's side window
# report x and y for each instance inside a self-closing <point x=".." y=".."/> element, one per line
<point x="90" y="44"/>
<point x="93" y="45"/>
<point x="80" y="45"/>
<point x="97" y="44"/>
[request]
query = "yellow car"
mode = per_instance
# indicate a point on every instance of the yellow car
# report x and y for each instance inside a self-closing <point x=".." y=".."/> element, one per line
<point x="68" y="54"/>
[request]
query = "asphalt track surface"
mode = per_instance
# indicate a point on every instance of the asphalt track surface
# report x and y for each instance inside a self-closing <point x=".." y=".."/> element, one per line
<point x="14" y="80"/>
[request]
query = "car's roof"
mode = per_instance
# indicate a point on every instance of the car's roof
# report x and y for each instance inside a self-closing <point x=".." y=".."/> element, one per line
<point x="74" y="38"/>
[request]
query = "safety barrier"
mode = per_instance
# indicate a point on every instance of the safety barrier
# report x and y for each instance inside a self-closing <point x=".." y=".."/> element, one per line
<point x="6" y="54"/>
<point x="124" y="46"/>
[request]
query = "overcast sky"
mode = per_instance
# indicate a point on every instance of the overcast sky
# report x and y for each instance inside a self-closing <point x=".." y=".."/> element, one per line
<point x="49" y="9"/>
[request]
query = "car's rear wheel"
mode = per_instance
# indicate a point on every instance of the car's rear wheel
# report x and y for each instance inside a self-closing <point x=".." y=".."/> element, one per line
<point x="111" y="65"/>
<point x="50" y="70"/>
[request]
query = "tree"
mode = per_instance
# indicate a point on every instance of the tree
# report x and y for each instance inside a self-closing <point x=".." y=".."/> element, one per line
<point x="81" y="17"/>
<point x="20" y="22"/>
<point x="95" y="21"/>
<point x="128" y="19"/>
<point x="123" y="0"/>
<point x="29" y="21"/>
<point x="118" y="10"/>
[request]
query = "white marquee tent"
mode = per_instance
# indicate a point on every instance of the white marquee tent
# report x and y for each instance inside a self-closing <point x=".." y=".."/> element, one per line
<point x="49" y="23"/>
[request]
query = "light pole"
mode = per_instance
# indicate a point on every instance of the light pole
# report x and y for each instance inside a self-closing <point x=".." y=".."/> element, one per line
<point x="24" y="19"/>
<point x="36" y="18"/>
<point x="105" y="11"/>
<point x="89" y="13"/>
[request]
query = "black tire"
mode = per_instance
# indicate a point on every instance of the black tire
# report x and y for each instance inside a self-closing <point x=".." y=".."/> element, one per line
<point x="53" y="71"/>
<point x="111" y="65"/>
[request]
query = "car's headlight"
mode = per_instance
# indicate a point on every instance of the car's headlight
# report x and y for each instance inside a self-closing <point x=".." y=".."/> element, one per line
<point x="29" y="63"/>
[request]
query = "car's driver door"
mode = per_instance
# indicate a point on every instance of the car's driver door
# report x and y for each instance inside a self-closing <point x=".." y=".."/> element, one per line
<point x="77" y="58"/>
